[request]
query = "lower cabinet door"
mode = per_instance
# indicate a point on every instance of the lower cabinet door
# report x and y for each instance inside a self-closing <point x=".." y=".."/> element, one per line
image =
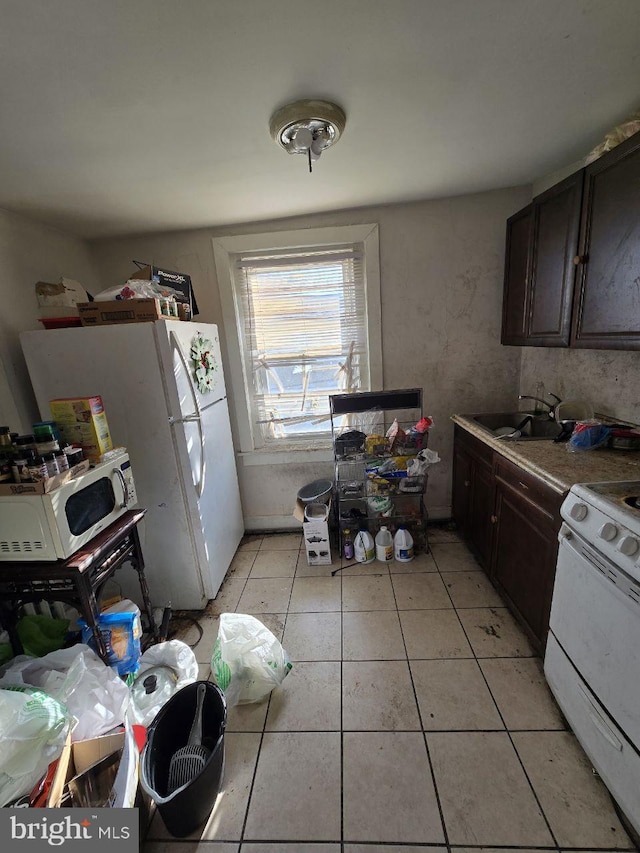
<point x="480" y="527"/>
<point x="461" y="488"/>
<point x="524" y="559"/>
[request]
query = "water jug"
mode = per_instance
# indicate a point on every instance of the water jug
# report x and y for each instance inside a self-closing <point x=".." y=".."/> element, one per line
<point x="403" y="545"/>
<point x="384" y="545"/>
<point x="365" y="551"/>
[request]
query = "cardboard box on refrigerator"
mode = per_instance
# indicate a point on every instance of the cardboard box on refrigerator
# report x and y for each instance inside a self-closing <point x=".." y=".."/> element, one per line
<point x="315" y="532"/>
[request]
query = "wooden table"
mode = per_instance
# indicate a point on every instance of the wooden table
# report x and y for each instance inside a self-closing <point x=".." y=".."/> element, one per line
<point x="76" y="580"/>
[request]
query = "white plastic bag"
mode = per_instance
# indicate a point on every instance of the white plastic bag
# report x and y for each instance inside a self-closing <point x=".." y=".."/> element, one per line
<point x="248" y="661"/>
<point x="77" y="677"/>
<point x="176" y="656"/>
<point x="33" y="729"/>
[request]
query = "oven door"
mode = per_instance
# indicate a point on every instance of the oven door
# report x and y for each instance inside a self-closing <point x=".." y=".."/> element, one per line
<point x="87" y="505"/>
<point x="595" y="617"/>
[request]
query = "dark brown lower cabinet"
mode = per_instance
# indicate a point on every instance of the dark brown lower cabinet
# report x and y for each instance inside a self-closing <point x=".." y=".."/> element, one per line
<point x="525" y="546"/>
<point x="472" y="501"/>
<point x="510" y="520"/>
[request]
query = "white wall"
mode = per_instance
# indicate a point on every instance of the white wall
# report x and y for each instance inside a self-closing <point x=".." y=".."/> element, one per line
<point x="29" y="252"/>
<point x="441" y="290"/>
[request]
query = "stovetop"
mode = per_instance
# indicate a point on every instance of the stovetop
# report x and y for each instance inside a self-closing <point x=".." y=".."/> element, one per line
<point x="619" y="500"/>
<point x="605" y="516"/>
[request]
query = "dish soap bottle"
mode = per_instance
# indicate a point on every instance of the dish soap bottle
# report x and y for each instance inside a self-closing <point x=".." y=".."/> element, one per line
<point x="384" y="545"/>
<point x="365" y="551"/>
<point x="403" y="545"/>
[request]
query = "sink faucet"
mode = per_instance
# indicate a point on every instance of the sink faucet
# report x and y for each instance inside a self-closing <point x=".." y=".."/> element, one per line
<point x="551" y="406"/>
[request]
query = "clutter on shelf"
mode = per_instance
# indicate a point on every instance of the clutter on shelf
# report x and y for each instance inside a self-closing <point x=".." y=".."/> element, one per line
<point x="381" y="461"/>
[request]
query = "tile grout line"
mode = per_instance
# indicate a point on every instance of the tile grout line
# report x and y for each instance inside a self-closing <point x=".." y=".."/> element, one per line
<point x="445" y="831"/>
<point x="262" y="734"/>
<point x="493" y="699"/>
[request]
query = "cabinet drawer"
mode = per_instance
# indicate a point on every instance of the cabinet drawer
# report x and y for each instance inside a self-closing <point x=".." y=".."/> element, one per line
<point x="530" y="487"/>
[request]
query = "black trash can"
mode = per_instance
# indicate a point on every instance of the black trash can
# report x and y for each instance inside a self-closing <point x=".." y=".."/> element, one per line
<point x="188" y="807"/>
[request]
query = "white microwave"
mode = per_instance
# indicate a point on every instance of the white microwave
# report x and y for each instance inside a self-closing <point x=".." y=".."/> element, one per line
<point x="55" y="525"/>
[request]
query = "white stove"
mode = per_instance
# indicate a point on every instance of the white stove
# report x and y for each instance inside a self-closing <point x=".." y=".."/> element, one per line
<point x="592" y="660"/>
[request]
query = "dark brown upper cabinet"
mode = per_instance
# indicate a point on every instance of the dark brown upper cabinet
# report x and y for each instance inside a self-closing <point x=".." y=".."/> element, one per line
<point x="607" y="299"/>
<point x="542" y="241"/>
<point x="516" y="273"/>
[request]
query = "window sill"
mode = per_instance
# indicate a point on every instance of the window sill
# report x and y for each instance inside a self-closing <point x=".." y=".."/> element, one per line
<point x="290" y="455"/>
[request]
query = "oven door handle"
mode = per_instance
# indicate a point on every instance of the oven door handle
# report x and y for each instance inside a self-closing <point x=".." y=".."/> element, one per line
<point x="125" y="497"/>
<point x="599" y="721"/>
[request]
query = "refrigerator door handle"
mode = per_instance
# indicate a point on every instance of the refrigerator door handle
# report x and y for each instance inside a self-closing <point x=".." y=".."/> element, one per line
<point x="188" y="420"/>
<point x="175" y="345"/>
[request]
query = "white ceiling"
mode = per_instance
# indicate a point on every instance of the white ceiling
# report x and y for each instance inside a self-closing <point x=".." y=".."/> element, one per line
<point x="123" y="116"/>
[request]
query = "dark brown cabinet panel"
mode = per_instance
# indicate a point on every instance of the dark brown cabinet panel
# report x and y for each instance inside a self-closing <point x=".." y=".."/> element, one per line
<point x="514" y="303"/>
<point x="556" y="219"/>
<point x="510" y="519"/>
<point x="607" y="309"/>
<point x="525" y="548"/>
<point x="542" y="240"/>
<point x="472" y="500"/>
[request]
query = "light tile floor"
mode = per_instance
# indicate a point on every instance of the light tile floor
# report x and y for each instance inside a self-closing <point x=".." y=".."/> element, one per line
<point x="416" y="718"/>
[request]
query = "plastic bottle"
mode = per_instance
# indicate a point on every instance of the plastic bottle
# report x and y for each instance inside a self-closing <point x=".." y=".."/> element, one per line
<point x="364" y="547"/>
<point x="52" y="464"/>
<point x="384" y="545"/>
<point x="403" y="545"/>
<point x="347" y="546"/>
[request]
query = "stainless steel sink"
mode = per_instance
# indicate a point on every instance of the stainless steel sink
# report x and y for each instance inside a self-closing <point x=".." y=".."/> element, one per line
<point x="537" y="428"/>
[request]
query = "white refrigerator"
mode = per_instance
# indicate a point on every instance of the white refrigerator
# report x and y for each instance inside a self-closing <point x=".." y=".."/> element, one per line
<point x="178" y="438"/>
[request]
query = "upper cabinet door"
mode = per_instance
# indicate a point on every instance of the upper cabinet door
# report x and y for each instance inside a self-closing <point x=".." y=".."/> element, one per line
<point x="516" y="273"/>
<point x="556" y="221"/>
<point x="607" y="309"/>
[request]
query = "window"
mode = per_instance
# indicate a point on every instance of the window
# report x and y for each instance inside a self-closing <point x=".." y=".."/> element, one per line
<point x="302" y="313"/>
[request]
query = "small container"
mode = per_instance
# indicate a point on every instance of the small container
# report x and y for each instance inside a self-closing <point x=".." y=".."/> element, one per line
<point x="20" y="466"/>
<point x="25" y="442"/>
<point x="384" y="545"/>
<point x="5" y="437"/>
<point x="347" y="546"/>
<point x="74" y="455"/>
<point x="46" y="442"/>
<point x="54" y="429"/>
<point x="37" y="469"/>
<point x="63" y="462"/>
<point x="52" y="464"/>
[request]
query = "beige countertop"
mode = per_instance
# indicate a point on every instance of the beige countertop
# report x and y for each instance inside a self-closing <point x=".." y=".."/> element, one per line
<point x="555" y="464"/>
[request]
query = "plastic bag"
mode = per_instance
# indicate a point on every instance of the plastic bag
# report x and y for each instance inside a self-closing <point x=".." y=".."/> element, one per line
<point x="33" y="729"/>
<point x="248" y="661"/>
<point x="40" y="634"/>
<point x="587" y="435"/>
<point x="78" y="678"/>
<point x="612" y="139"/>
<point x="175" y="656"/>
<point x="137" y="288"/>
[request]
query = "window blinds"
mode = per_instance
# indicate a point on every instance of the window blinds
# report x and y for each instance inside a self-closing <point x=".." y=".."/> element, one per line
<point x="302" y="317"/>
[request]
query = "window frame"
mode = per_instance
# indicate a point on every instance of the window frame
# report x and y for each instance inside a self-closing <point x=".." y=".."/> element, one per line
<point x="223" y="249"/>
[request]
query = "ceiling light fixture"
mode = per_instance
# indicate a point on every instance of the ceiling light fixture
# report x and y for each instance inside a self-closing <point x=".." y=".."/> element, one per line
<point x="307" y="127"/>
